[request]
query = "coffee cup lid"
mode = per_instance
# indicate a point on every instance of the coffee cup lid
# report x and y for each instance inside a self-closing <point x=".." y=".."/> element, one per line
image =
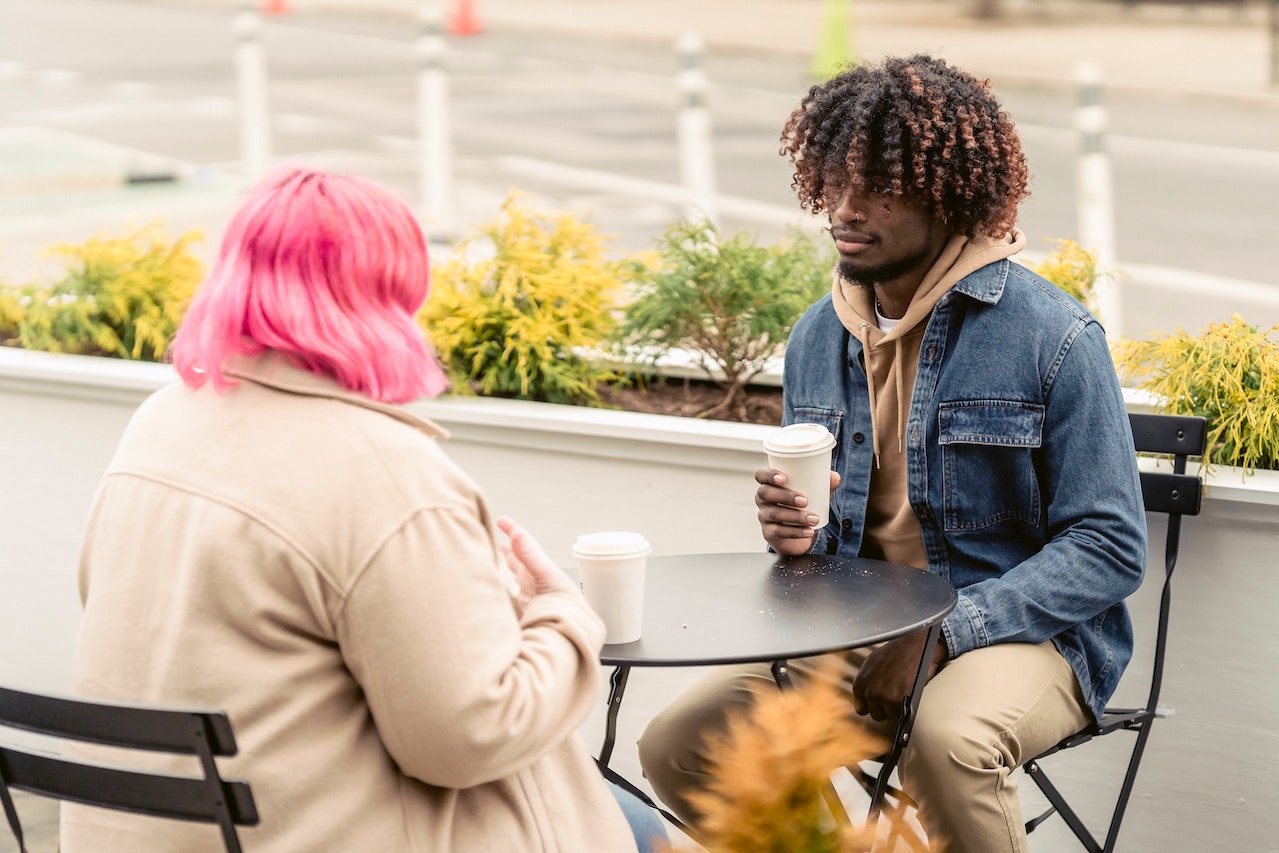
<point x="614" y="543"/>
<point x="799" y="440"/>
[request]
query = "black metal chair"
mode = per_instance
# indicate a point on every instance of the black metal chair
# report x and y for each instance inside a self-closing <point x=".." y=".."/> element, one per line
<point x="1175" y="494"/>
<point x="185" y="731"/>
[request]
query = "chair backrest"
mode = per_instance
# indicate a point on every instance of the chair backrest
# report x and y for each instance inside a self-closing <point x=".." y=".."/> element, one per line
<point x="202" y="733"/>
<point x="1174" y="493"/>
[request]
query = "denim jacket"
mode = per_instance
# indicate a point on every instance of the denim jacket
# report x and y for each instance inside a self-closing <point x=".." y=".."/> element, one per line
<point x="1020" y="465"/>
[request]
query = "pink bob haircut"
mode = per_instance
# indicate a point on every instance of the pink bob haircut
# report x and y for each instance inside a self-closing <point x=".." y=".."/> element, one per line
<point x="327" y="270"/>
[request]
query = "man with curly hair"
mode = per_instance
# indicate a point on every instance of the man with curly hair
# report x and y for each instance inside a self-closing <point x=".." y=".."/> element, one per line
<point x="981" y="434"/>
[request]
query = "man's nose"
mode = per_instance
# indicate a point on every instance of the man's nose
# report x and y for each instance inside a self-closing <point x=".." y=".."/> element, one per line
<point x="848" y="207"/>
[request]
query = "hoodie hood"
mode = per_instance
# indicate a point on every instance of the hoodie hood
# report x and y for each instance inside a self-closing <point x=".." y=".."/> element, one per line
<point x="855" y="307"/>
<point x="890" y="360"/>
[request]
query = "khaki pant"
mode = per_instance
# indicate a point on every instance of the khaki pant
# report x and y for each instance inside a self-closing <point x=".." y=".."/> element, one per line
<point x="985" y="713"/>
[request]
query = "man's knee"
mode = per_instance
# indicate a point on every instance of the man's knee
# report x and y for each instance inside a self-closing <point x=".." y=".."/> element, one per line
<point x="666" y="749"/>
<point x="672" y="749"/>
<point x="945" y="738"/>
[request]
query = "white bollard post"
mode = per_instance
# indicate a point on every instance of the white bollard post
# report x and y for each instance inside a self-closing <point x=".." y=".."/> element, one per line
<point x="255" y="112"/>
<point x="1274" y="42"/>
<point x="434" y="147"/>
<point x="696" y="158"/>
<point x="1096" y="195"/>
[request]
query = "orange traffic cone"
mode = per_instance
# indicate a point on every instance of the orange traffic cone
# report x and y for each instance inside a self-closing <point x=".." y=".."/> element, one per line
<point x="464" y="21"/>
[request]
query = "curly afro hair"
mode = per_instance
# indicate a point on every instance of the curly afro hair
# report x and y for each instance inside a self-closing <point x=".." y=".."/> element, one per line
<point x="917" y="127"/>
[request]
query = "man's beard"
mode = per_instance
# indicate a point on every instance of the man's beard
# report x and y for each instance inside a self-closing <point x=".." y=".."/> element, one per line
<point x="869" y="277"/>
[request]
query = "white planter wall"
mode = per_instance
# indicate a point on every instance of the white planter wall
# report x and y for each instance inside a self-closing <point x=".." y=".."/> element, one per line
<point x="558" y="470"/>
<point x="1208" y="780"/>
<point x="563" y="470"/>
<point x="60" y="418"/>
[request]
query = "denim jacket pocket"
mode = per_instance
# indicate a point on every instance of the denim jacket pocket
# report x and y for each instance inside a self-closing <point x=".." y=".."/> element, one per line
<point x="833" y="420"/>
<point x="988" y="473"/>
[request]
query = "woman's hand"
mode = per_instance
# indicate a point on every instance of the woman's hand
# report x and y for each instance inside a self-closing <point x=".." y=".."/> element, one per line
<point x="535" y="572"/>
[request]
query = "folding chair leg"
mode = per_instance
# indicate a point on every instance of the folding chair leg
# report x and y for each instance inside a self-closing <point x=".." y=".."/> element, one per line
<point x="11" y="814"/>
<point x="1126" y="791"/>
<point x="1059" y="804"/>
<point x="1062" y="807"/>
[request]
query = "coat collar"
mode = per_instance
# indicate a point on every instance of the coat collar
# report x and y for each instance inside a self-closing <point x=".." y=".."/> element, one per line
<point x="272" y="369"/>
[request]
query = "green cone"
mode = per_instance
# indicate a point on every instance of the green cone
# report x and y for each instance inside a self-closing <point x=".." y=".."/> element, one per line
<point x="835" y="41"/>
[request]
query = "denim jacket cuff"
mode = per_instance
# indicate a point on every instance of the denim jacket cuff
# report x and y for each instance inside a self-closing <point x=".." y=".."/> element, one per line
<point x="821" y="543"/>
<point x="963" y="629"/>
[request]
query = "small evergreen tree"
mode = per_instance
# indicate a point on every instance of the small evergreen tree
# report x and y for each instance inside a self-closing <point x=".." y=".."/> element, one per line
<point x="729" y="303"/>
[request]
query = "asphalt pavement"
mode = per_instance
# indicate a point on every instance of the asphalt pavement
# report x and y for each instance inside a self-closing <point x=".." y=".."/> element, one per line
<point x="1219" y="50"/>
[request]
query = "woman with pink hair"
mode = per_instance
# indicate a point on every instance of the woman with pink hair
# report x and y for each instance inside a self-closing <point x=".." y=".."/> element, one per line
<point x="278" y="537"/>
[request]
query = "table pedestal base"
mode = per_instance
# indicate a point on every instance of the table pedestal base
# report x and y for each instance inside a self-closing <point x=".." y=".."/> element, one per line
<point x="878" y="784"/>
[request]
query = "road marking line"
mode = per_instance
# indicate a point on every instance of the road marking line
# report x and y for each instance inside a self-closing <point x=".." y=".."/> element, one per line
<point x="608" y="182"/>
<point x="12" y="71"/>
<point x="131" y="90"/>
<point x="205" y="108"/>
<point x="57" y="78"/>
<point x="1144" y="148"/>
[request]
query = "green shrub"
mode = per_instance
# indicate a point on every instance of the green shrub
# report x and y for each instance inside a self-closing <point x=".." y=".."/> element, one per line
<point x="119" y="296"/>
<point x="1227" y="373"/>
<point x="524" y="322"/>
<point x="729" y="303"/>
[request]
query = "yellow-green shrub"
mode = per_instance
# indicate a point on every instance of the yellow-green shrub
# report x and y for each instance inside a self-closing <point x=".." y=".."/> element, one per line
<point x="119" y="296"/>
<point x="1227" y="373"/>
<point x="10" y="315"/>
<point x="520" y="323"/>
<point x="1071" y="267"/>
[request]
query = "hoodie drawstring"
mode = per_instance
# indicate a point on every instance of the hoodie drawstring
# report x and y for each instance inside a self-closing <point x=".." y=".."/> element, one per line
<point x="901" y="399"/>
<point x="863" y="335"/>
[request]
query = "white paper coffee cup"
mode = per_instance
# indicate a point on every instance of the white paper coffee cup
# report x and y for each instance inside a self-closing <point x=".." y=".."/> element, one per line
<point x="802" y="452"/>
<point x="612" y="566"/>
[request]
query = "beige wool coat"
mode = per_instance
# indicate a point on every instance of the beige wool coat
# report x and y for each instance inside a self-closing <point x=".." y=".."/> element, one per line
<point x="312" y="562"/>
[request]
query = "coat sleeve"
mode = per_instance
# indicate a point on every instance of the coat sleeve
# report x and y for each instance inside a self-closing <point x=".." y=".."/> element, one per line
<point x="463" y="688"/>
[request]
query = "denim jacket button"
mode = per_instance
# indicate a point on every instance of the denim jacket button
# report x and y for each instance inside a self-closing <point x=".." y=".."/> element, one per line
<point x="858" y="438"/>
<point x="847" y="524"/>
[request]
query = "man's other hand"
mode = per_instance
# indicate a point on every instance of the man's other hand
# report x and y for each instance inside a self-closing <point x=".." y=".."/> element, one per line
<point x="888" y="675"/>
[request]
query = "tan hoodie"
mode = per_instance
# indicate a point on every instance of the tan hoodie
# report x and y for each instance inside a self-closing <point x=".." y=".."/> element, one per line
<point x="890" y="359"/>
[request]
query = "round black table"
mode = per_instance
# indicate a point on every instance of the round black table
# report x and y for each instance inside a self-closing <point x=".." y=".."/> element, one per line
<point x="705" y="609"/>
<point x="710" y="609"/>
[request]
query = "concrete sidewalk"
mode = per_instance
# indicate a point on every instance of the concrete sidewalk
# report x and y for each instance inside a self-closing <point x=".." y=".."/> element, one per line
<point x="1209" y="49"/>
